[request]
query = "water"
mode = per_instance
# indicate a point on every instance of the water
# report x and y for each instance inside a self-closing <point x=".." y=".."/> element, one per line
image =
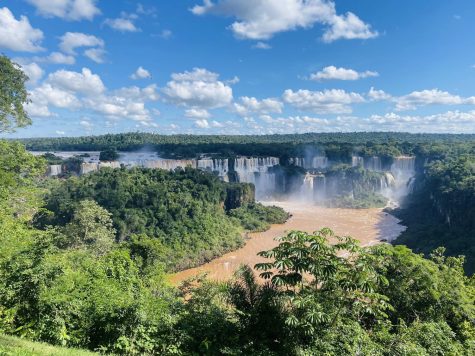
<point x="369" y="226"/>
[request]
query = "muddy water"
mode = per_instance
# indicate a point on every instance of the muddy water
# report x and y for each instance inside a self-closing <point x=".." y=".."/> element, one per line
<point x="369" y="226"/>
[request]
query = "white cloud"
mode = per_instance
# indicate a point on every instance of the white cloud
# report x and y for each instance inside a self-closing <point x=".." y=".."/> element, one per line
<point x="378" y="95"/>
<point x="67" y="9"/>
<point x="56" y="58"/>
<point x="202" y="124"/>
<point x="60" y="133"/>
<point x="250" y="105"/>
<point x="199" y="88"/>
<point x="95" y="54"/>
<point x="149" y="93"/>
<point x="72" y="90"/>
<point x="262" y="45"/>
<point x="348" y="27"/>
<point x="45" y="95"/>
<point x="18" y="35"/>
<point x="205" y="124"/>
<point x="122" y="24"/>
<point x="197" y="114"/>
<point x="262" y="19"/>
<point x="33" y="71"/>
<point x="334" y="73"/>
<point x="85" y="83"/>
<point x="141" y="73"/>
<point x="86" y="124"/>
<point x="72" y="40"/>
<point x="322" y="102"/>
<point x="430" y="97"/>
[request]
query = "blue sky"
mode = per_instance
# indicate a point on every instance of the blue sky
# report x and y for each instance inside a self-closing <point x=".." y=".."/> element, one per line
<point x="243" y="66"/>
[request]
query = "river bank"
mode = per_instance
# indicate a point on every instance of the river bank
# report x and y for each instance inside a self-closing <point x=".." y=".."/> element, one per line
<point x="369" y="226"/>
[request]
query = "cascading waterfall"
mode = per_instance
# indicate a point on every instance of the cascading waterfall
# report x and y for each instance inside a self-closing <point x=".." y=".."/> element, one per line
<point x="357" y="161"/>
<point x="88" y="168"/>
<point x="55" y="170"/>
<point x="314" y="162"/>
<point x="221" y="166"/>
<point x="403" y="171"/>
<point x="256" y="170"/>
<point x="168" y="164"/>
<point x="373" y="164"/>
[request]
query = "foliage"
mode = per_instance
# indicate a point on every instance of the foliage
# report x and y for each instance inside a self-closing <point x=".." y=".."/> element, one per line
<point x="13" y="96"/>
<point x="108" y="155"/>
<point x="91" y="226"/>
<point x="441" y="211"/>
<point x="257" y="217"/>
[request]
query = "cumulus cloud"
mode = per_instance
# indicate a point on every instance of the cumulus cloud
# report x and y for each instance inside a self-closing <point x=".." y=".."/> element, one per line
<point x="378" y="95"/>
<point x="74" y="10"/>
<point x="249" y="105"/>
<point x="199" y="88"/>
<point x="33" y="71"/>
<point x="334" y="73"/>
<point x="197" y="114"/>
<point x="348" y="27"/>
<point x="72" y="90"/>
<point x="85" y="83"/>
<point x="18" y="35"/>
<point x="205" y="124"/>
<point x="430" y="97"/>
<point x="48" y="95"/>
<point x="95" y="54"/>
<point x="72" y="40"/>
<point x="141" y="73"/>
<point x="333" y="101"/>
<point x="86" y="124"/>
<point x="262" y="19"/>
<point x="125" y="23"/>
<point x="56" y="58"/>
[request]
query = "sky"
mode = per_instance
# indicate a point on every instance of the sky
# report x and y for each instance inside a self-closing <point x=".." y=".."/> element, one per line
<point x="243" y="66"/>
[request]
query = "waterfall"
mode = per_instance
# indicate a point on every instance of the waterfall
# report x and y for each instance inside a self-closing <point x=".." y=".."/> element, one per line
<point x="357" y="161"/>
<point x="88" y="168"/>
<point x="306" y="191"/>
<point x="373" y="164"/>
<point x="168" y="164"/>
<point x="256" y="170"/>
<point x="220" y="166"/>
<point x="310" y="163"/>
<point x="320" y="188"/>
<point x="54" y="170"/>
<point x="402" y="171"/>
<point x="314" y="188"/>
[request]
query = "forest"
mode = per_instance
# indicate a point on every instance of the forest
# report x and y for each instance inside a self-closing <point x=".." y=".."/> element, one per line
<point x="85" y="260"/>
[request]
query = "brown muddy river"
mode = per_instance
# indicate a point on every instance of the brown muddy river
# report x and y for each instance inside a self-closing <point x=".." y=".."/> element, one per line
<point x="369" y="226"/>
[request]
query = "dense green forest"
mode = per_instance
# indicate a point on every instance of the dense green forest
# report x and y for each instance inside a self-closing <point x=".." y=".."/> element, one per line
<point x="441" y="211"/>
<point x="189" y="216"/>
<point x="84" y="260"/>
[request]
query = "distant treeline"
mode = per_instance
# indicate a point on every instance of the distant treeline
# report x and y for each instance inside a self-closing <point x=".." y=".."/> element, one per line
<point x="336" y="146"/>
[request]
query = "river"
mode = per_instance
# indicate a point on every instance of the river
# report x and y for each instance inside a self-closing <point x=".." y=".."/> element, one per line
<point x="369" y="226"/>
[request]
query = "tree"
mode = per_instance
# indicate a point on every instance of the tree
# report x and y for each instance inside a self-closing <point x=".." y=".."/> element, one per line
<point x="91" y="227"/>
<point x="13" y="96"/>
<point x="324" y="282"/>
<point x="108" y="155"/>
